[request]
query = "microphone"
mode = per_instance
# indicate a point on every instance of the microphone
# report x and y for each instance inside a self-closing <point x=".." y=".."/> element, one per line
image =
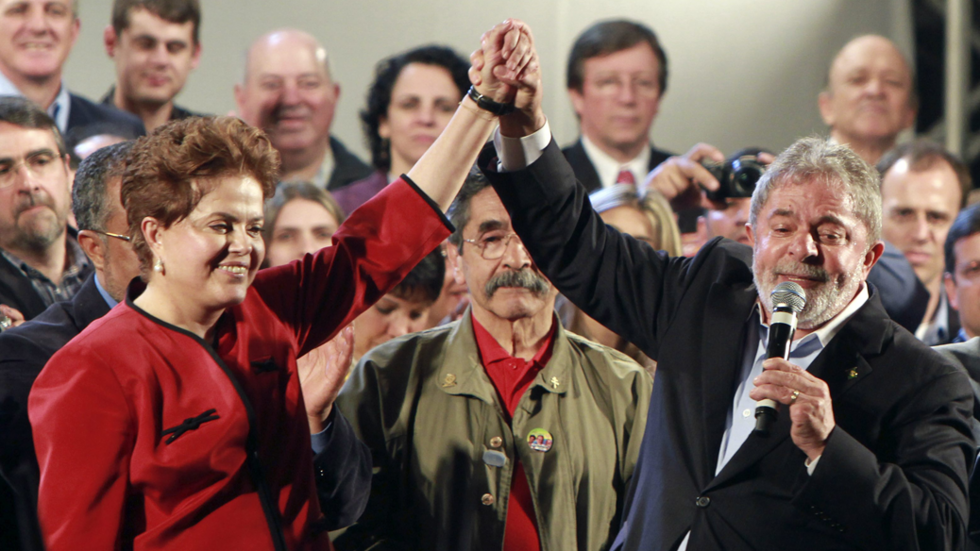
<point x="788" y="299"/>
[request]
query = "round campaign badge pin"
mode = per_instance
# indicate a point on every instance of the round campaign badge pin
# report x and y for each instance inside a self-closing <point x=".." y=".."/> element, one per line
<point x="540" y="440"/>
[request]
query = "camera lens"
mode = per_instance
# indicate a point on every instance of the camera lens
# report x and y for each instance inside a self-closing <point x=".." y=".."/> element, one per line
<point x="745" y="175"/>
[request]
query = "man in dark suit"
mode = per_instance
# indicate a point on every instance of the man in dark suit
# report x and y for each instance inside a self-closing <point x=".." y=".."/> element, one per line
<point x="288" y="92"/>
<point x="923" y="186"/>
<point x="40" y="260"/>
<point x="617" y="75"/>
<point x="154" y="45"/>
<point x="35" y="73"/>
<point x="873" y="444"/>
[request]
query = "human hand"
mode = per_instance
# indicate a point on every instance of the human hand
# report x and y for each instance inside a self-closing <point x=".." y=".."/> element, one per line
<point x="10" y="317"/>
<point x="810" y="406"/>
<point x="678" y="178"/>
<point x="507" y="66"/>
<point x="322" y="373"/>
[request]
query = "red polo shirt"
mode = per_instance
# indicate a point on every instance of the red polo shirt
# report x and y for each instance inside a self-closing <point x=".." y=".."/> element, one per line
<point x="511" y="377"/>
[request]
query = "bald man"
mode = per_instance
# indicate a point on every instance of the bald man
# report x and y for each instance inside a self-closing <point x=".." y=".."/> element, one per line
<point x="869" y="97"/>
<point x="287" y="91"/>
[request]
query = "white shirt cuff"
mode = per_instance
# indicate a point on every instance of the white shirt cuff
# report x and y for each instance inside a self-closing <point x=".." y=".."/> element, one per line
<point x="811" y="465"/>
<point x="518" y="153"/>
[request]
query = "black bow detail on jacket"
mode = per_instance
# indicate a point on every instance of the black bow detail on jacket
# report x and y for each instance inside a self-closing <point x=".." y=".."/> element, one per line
<point x="191" y="423"/>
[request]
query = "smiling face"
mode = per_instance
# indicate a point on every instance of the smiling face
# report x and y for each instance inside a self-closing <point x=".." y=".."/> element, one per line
<point x="211" y="256"/>
<point x="153" y="57"/>
<point x="35" y="37"/>
<point x="919" y="208"/>
<point x="510" y="287"/>
<point x="808" y="233"/>
<point x="288" y="92"/>
<point x="868" y="94"/>
<point x="34" y="195"/>
<point x="423" y="100"/>
<point x="303" y="226"/>
<point x="619" y="99"/>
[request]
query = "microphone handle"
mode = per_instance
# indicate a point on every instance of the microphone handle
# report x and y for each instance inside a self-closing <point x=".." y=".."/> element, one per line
<point x="781" y="332"/>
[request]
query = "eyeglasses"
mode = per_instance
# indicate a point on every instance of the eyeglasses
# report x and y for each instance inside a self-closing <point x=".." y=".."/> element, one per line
<point x="493" y="245"/>
<point x="38" y="165"/>
<point x="125" y="238"/>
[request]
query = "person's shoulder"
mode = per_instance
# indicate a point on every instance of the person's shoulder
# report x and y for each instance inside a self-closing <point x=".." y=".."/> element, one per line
<point x="84" y="112"/>
<point x="612" y="362"/>
<point x="412" y="350"/>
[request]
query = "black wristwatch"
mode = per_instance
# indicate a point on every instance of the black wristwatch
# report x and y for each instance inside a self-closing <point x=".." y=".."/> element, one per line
<point x="487" y="104"/>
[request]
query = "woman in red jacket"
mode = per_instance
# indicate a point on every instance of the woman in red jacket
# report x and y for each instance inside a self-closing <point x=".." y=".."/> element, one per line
<point x="177" y="420"/>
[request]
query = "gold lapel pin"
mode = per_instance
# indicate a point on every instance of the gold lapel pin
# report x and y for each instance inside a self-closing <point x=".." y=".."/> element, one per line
<point x="852" y="373"/>
<point x="449" y="381"/>
<point x="554" y="382"/>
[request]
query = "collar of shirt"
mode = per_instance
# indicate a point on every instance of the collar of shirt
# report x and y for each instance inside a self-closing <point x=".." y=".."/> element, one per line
<point x="510" y="376"/>
<point x="936" y="330"/>
<point x="322" y="177"/>
<point x="58" y="110"/>
<point x="740" y="421"/>
<point x="105" y="294"/>
<point x="608" y="168"/>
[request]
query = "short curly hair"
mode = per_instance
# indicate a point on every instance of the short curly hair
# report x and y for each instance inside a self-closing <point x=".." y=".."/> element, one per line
<point x="171" y="170"/>
<point x="379" y="94"/>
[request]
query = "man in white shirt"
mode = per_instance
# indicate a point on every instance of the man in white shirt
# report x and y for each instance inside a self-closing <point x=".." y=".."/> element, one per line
<point x="36" y="37"/>
<point x="617" y="74"/>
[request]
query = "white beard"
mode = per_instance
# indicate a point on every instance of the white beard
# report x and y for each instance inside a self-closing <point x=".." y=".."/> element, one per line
<point x="823" y="302"/>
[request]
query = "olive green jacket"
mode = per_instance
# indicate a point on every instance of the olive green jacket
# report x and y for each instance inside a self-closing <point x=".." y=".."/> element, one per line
<point x="425" y="406"/>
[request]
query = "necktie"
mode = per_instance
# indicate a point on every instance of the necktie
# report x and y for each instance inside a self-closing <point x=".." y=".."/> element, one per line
<point x="625" y="177"/>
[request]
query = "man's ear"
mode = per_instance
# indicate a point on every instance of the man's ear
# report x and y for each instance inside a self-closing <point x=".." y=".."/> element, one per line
<point x="454" y="263"/>
<point x="93" y="246"/>
<point x="950" y="284"/>
<point x="578" y="101"/>
<point x="109" y="38"/>
<point x="826" y="109"/>
<point x="872" y="256"/>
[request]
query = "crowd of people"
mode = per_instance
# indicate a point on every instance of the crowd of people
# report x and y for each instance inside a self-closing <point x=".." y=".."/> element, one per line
<point x="230" y="332"/>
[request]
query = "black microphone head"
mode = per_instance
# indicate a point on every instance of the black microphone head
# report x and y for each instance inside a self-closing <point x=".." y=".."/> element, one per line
<point x="788" y="294"/>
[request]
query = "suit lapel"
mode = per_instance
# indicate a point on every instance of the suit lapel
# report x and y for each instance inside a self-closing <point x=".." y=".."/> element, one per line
<point x="582" y="166"/>
<point x="725" y="315"/>
<point x="841" y="365"/>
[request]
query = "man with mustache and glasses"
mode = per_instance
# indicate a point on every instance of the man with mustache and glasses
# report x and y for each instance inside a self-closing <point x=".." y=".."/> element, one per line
<point x="288" y="92"/>
<point x="873" y="443"/>
<point x="40" y="260"/>
<point x="500" y="430"/>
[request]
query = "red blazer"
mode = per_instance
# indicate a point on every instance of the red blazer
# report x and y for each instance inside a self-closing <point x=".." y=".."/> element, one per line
<point x="151" y="438"/>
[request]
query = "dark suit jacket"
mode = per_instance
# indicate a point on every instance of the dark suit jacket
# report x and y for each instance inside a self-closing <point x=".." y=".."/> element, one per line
<point x="23" y="352"/>
<point x="176" y="114"/>
<point x="16" y="290"/>
<point x="967" y="354"/>
<point x="904" y="297"/>
<point x="585" y="170"/>
<point x="354" y="195"/>
<point x="343" y="468"/>
<point x="83" y="112"/>
<point x="347" y="167"/>
<point x="894" y="472"/>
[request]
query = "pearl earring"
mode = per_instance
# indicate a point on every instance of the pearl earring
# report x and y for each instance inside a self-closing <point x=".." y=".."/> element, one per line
<point x="158" y="266"/>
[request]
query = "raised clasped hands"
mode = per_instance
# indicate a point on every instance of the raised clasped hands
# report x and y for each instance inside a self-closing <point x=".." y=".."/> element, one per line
<point x="811" y="409"/>
<point x="322" y="373"/>
<point x="506" y="69"/>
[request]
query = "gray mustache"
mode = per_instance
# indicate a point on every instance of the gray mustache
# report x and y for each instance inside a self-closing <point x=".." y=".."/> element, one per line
<point x="525" y="279"/>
